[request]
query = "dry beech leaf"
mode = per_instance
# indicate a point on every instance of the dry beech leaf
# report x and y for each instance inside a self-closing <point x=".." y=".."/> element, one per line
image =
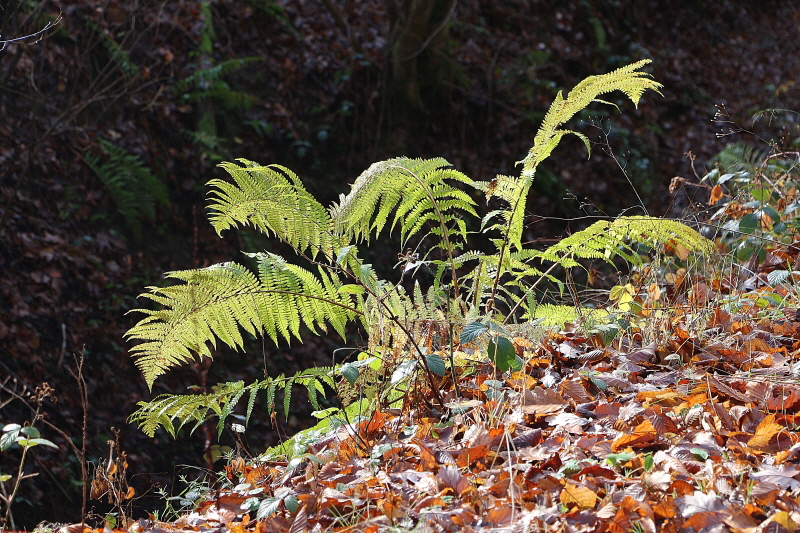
<point x="541" y="401"/>
<point x="583" y="497"/>
<point x="643" y="436"/>
<point x="765" y="431"/>
<point x="451" y="477"/>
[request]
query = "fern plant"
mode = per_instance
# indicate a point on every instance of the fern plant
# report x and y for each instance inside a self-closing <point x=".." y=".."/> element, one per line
<point x="471" y="295"/>
<point x="133" y="187"/>
<point x="207" y="89"/>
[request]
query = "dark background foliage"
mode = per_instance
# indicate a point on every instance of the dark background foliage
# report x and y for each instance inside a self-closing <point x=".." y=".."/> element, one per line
<point x="324" y="87"/>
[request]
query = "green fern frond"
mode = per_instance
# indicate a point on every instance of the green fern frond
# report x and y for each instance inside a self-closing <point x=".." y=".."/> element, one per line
<point x="204" y="78"/>
<point x="741" y="157"/>
<point x="118" y="55"/>
<point x="514" y="191"/>
<point x="603" y="240"/>
<point x="229" y="98"/>
<point x="216" y="302"/>
<point x="550" y="316"/>
<point x="174" y="411"/>
<point x="626" y="79"/>
<point x="273" y="200"/>
<point x="131" y="184"/>
<point x="415" y="189"/>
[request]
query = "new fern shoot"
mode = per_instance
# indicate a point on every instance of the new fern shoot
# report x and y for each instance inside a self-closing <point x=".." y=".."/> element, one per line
<point x="414" y="198"/>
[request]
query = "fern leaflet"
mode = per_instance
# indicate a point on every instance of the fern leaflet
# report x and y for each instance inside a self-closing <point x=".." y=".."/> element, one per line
<point x="215" y="302"/>
<point x="271" y="199"/>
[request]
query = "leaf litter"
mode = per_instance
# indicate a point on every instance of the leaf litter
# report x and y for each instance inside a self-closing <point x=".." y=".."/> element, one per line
<point x="699" y="432"/>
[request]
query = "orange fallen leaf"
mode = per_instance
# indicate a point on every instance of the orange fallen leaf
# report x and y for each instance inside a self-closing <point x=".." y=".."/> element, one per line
<point x="767" y="429"/>
<point x="716" y="195"/>
<point x="583" y="497"/>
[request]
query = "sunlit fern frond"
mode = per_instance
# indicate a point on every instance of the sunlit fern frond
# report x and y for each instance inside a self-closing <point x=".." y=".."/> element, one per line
<point x="627" y="79"/>
<point x="218" y="302"/>
<point x="418" y="193"/>
<point x="514" y="191"/>
<point x="604" y="240"/>
<point x="174" y="411"/>
<point x="550" y="315"/>
<point x="273" y="200"/>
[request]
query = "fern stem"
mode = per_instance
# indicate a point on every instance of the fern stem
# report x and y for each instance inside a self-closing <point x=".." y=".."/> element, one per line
<point x="453" y="363"/>
<point x="310" y="297"/>
<point x="506" y="239"/>
<point x="442" y="224"/>
<point x="522" y="298"/>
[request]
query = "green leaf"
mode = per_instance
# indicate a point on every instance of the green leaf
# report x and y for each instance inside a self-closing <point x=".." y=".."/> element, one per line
<point x="472" y="331"/>
<point x="771" y="213"/>
<point x="503" y="354"/>
<point x="351" y="289"/>
<point x="599" y="383"/>
<point x="291" y="503"/>
<point x="31" y="432"/>
<point x="8" y="439"/>
<point x="435" y="363"/>
<point x="350" y="372"/>
<point x="267" y="507"/>
<point x="615" y="459"/>
<point x="43" y="442"/>
<point x="700" y="453"/>
<point x="748" y="224"/>
<point x="402" y="371"/>
<point x="343" y="251"/>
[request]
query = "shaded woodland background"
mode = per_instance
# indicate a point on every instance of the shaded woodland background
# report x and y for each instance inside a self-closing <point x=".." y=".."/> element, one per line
<point x="112" y="123"/>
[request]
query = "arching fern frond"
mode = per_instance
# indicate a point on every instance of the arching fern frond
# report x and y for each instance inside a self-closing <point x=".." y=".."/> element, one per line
<point x="514" y="191"/>
<point x="415" y="189"/>
<point x="273" y="200"/>
<point x="216" y="302"/>
<point x="626" y="79"/>
<point x="174" y="411"/>
<point x="604" y="240"/>
<point x="133" y="187"/>
<point x="741" y="157"/>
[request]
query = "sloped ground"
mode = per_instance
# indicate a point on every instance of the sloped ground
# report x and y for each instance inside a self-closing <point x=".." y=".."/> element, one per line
<point x="694" y="431"/>
<point x="71" y="264"/>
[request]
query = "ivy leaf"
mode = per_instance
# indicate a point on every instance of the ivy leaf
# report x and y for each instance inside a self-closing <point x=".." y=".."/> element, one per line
<point x="503" y="354"/>
<point x="472" y="331"/>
